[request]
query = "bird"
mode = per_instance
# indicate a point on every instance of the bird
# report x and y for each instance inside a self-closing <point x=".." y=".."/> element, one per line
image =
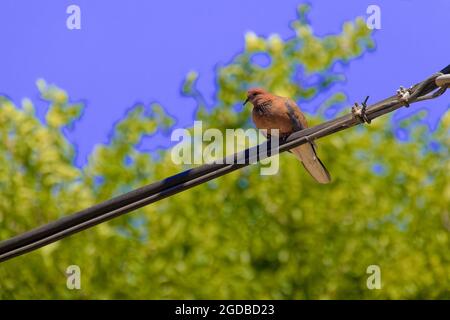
<point x="274" y="112"/>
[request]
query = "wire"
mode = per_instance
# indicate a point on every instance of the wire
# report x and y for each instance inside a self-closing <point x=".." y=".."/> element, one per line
<point x="143" y="196"/>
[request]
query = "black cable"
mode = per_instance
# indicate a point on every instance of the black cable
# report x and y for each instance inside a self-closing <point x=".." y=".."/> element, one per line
<point x="138" y="198"/>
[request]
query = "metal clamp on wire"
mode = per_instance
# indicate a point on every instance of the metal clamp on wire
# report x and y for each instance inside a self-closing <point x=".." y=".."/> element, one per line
<point x="360" y="112"/>
<point x="443" y="81"/>
<point x="404" y="95"/>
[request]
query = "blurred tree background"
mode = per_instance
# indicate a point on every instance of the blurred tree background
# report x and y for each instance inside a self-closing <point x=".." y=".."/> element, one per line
<point x="242" y="236"/>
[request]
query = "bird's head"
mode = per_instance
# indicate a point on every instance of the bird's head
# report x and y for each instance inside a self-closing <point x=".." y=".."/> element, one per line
<point x="256" y="96"/>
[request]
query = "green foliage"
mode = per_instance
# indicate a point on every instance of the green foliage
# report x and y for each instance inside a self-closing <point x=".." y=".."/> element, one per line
<point x="303" y="53"/>
<point x="242" y="235"/>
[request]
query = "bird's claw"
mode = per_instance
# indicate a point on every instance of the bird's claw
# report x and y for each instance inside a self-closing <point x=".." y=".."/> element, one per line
<point x="283" y="138"/>
<point x="308" y="139"/>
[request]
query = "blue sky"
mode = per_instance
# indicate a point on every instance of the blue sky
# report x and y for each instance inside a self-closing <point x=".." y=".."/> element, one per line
<point x="139" y="51"/>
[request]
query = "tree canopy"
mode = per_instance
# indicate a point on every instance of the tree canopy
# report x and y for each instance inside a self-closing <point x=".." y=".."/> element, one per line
<point x="242" y="236"/>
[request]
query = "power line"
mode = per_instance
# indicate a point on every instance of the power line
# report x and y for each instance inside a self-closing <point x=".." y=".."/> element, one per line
<point x="430" y="88"/>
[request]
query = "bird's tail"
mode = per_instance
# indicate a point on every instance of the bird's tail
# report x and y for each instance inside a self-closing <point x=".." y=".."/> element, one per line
<point x="307" y="155"/>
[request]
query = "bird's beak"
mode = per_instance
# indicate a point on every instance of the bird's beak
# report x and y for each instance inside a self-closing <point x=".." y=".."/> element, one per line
<point x="245" y="102"/>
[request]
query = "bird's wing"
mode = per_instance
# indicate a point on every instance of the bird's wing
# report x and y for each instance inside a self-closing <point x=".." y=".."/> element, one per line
<point x="306" y="152"/>
<point x="296" y="117"/>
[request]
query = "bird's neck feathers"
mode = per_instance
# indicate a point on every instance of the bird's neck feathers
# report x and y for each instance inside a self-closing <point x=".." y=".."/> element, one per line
<point x="263" y="102"/>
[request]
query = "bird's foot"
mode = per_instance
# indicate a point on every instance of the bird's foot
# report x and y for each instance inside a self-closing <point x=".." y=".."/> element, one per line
<point x="283" y="138"/>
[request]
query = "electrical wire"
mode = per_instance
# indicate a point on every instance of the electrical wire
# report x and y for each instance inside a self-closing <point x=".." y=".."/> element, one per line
<point x="66" y="226"/>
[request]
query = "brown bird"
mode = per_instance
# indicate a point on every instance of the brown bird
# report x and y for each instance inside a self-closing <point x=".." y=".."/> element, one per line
<point x="274" y="112"/>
